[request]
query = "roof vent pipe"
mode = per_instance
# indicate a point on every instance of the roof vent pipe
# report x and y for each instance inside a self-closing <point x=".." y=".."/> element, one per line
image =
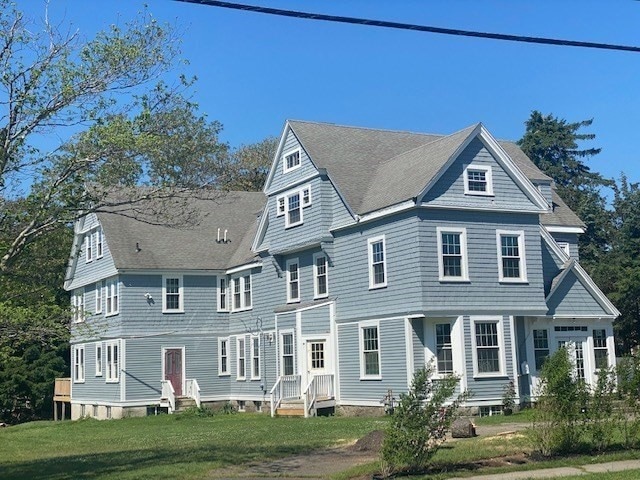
<point x="218" y="239"/>
<point x="225" y="235"/>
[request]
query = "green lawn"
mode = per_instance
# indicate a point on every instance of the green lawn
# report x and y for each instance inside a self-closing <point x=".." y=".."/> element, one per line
<point x="167" y="446"/>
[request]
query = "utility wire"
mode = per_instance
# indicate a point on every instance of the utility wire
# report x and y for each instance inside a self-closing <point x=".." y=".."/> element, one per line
<point x="417" y="28"/>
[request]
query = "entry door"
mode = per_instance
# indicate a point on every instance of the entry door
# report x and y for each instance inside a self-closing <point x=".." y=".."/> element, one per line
<point x="173" y="368"/>
<point x="316" y="357"/>
<point x="575" y="348"/>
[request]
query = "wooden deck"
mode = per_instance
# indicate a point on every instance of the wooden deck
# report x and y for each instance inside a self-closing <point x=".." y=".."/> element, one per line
<point x="61" y="397"/>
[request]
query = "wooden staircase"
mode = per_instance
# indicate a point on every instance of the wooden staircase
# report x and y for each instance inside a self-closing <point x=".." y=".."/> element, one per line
<point x="183" y="403"/>
<point x="291" y="408"/>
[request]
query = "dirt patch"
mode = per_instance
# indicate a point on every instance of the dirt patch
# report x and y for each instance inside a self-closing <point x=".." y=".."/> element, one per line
<point x="371" y="442"/>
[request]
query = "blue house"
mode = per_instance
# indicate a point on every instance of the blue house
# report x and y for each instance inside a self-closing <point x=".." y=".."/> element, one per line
<point x="369" y="254"/>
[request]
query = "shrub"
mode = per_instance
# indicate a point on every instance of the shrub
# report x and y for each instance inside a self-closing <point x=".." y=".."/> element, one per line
<point x="420" y="421"/>
<point x="508" y="398"/>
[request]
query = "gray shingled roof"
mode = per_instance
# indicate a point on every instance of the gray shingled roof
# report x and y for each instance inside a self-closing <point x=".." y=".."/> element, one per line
<point x="377" y="168"/>
<point x="192" y="247"/>
<point x="561" y="215"/>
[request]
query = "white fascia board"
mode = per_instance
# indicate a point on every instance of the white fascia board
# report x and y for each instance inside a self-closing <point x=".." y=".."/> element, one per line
<point x="241" y="268"/>
<point x="166" y="271"/>
<point x="510" y="166"/>
<point x="448" y="163"/>
<point x="553" y="245"/>
<point x="560" y="229"/>
<point x="283" y="137"/>
<point x="383" y="212"/>
<point x="478" y="208"/>
<point x="294" y="185"/>
<point x="264" y="223"/>
<point x="583" y="317"/>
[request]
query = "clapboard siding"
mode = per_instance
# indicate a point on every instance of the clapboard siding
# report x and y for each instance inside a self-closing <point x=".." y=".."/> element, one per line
<point x="489" y="388"/>
<point x="393" y="362"/>
<point x="85" y="272"/>
<point x="94" y="389"/>
<point x="551" y="265"/>
<point x="418" y="339"/>
<point x="349" y="277"/>
<point x="316" y="321"/>
<point x="571" y="239"/>
<point x="572" y="298"/>
<point x="521" y="352"/>
<point x="281" y="180"/>
<point x="449" y="189"/>
<point x="484" y="292"/>
<point x="305" y="273"/>
<point x="287" y="322"/>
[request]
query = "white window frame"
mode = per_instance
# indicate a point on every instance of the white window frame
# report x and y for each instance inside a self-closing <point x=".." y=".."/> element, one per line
<point x="255" y="359"/>
<point x="600" y="348"/>
<point x="88" y="247"/>
<point x="370" y="242"/>
<point x="464" y="263"/>
<point x="290" y="281"/>
<point x="223" y="294"/>
<point x="449" y="347"/>
<point x="281" y="208"/>
<point x="223" y="372"/>
<point x="488" y="176"/>
<point x="292" y="354"/>
<point x="112" y="297"/>
<point x="285" y="155"/>
<point x="247" y="304"/>
<point x="241" y="359"/>
<point x="305" y="196"/>
<point x="502" y="359"/>
<point x="241" y="283"/>
<point x="78" y="305"/>
<point x="565" y="248"/>
<point x="165" y="308"/>
<point x="98" y="297"/>
<point x="522" y="256"/>
<point x="361" y="350"/>
<point x="79" y="363"/>
<point x="316" y="276"/>
<point x="287" y="222"/>
<point x="99" y="243"/>
<point x="113" y="366"/>
<point x="99" y="359"/>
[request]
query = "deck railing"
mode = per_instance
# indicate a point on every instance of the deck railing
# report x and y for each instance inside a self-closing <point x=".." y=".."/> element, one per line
<point x="286" y="387"/>
<point x="193" y="390"/>
<point x="169" y="394"/>
<point x="320" y="387"/>
<point x="62" y="390"/>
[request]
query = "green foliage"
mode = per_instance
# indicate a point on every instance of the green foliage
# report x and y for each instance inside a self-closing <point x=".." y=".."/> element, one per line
<point x="250" y="164"/>
<point x="228" y="409"/>
<point x="508" y="398"/>
<point x="420" y="421"/>
<point x="201" y="411"/>
<point x="628" y="377"/>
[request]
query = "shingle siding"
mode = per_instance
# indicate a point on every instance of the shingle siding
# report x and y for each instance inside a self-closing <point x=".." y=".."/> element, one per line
<point x="282" y="180"/>
<point x="572" y="298"/>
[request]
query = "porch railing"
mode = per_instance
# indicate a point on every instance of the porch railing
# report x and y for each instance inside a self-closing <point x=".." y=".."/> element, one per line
<point x="169" y="394"/>
<point x="320" y="387"/>
<point x="286" y="387"/>
<point x="193" y="390"/>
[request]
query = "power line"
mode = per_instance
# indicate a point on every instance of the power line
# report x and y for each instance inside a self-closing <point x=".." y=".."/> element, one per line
<point x="417" y="28"/>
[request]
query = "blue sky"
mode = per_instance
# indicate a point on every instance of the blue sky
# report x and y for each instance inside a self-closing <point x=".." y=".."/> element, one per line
<point x="255" y="71"/>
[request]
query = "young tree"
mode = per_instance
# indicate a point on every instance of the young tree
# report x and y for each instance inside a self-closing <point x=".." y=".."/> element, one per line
<point x="80" y="119"/>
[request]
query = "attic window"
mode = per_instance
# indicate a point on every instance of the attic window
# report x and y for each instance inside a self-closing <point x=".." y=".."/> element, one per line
<point x="478" y="180"/>
<point x="291" y="160"/>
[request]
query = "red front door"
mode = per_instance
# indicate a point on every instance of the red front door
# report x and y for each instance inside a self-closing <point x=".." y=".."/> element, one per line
<point x="173" y="368"/>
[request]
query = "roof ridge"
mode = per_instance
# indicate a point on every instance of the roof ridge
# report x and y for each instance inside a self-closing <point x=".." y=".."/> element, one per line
<point x="371" y="129"/>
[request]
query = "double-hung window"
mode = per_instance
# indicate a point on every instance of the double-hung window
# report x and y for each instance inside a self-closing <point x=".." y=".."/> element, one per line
<point x="98" y="359"/>
<point x="223" y="356"/>
<point x="98" y="297"/>
<point x="600" y="351"/>
<point x="99" y="242"/>
<point x="241" y="372"/>
<point x="511" y="256"/>
<point x="377" y="262"/>
<point x="291" y="160"/>
<point x="78" y="305"/>
<point x="540" y="347"/>
<point x="113" y="362"/>
<point x="369" y="350"/>
<point x="293" y="210"/>
<point x="478" y="180"/>
<point x="444" y="354"/>
<point x="255" y="358"/>
<point x="78" y="364"/>
<point x="241" y="288"/>
<point x="223" y="306"/>
<point x="293" y="280"/>
<point x="320" y="276"/>
<point x="246" y="281"/>
<point x="452" y="254"/>
<point x="286" y="340"/>
<point x="172" y="294"/>
<point x="112" y="293"/>
<point x="488" y="352"/>
<point x="88" y="247"/>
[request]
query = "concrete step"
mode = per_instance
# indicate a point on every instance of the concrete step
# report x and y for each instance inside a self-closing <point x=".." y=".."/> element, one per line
<point x="182" y="403"/>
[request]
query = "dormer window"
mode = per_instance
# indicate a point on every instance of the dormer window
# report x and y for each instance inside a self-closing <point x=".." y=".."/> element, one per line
<point x="478" y="180"/>
<point x="291" y="160"/>
<point x="280" y="206"/>
<point x="291" y="204"/>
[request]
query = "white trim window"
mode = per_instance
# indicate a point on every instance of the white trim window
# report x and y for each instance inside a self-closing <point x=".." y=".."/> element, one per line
<point x="540" y="347"/>
<point x="320" y="276"/>
<point x="287" y="367"/>
<point x="369" y="333"/>
<point x="478" y="180"/>
<point x="488" y="346"/>
<point x="452" y="254"/>
<point x="255" y="358"/>
<point x="98" y="297"/>
<point x="113" y="361"/>
<point x="98" y="359"/>
<point x="306" y="196"/>
<point x="88" y="247"/>
<point x="241" y="288"/>
<point x="246" y="289"/>
<point x="444" y="349"/>
<point x="280" y="206"/>
<point x="600" y="350"/>
<point x="172" y="294"/>
<point x="293" y="209"/>
<point x="112" y="296"/>
<point x="377" y="262"/>
<point x="78" y="364"/>
<point x="99" y="241"/>
<point x="511" y="256"/>
<point x="241" y="355"/>
<point x="293" y="280"/>
<point x="223" y="292"/>
<point x="564" y="246"/>
<point x="223" y="356"/>
<point x="291" y="160"/>
<point x="78" y="306"/>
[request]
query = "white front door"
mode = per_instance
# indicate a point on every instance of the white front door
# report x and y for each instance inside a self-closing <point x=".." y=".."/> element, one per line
<point x="576" y="347"/>
<point x="316" y="357"/>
